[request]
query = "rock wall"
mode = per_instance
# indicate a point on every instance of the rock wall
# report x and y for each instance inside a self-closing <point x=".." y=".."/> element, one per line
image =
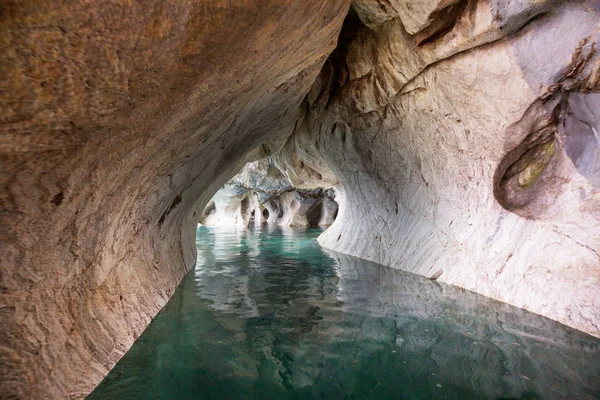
<point x="119" y="121"/>
<point x="466" y="143"/>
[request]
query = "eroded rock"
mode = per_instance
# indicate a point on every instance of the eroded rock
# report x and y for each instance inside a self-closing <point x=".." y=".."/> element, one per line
<point x="260" y="193"/>
<point x="455" y="158"/>
<point x="119" y="122"/>
<point x="241" y="199"/>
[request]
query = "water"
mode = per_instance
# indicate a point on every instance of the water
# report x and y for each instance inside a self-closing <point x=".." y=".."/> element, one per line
<point x="268" y="314"/>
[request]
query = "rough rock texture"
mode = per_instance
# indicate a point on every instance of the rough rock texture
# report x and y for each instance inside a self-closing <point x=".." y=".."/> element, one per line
<point x="118" y="122"/>
<point x="468" y="154"/>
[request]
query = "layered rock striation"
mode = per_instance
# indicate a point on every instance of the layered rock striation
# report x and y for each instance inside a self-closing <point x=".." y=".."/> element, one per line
<point x="467" y="147"/>
<point x="119" y="121"/>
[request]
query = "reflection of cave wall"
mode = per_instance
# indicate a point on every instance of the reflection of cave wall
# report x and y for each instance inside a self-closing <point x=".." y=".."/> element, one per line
<point x="434" y="327"/>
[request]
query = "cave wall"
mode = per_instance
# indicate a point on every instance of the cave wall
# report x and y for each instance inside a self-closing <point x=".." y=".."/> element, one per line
<point x="453" y="143"/>
<point x="461" y="135"/>
<point x="119" y="121"/>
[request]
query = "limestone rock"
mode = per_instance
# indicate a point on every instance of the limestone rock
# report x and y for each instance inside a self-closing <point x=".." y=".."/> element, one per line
<point x="241" y="198"/>
<point x="381" y="62"/>
<point x="329" y="208"/>
<point x="260" y="193"/>
<point x="306" y="208"/>
<point x="414" y="15"/>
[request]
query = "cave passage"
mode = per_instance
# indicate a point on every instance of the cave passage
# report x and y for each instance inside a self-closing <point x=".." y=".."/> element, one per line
<point x="268" y="313"/>
<point x="261" y="193"/>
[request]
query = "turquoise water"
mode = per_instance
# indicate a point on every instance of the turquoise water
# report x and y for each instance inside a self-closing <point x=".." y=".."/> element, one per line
<point x="268" y="314"/>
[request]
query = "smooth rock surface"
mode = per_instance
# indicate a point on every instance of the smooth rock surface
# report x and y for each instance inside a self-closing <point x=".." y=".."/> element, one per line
<point x="118" y="122"/>
<point x="461" y="159"/>
<point x="242" y="197"/>
<point x="260" y="193"/>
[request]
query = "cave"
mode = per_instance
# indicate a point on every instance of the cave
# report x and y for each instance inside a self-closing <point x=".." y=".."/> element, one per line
<point x="434" y="159"/>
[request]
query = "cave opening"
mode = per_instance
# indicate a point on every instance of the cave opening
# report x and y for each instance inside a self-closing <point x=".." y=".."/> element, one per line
<point x="261" y="193"/>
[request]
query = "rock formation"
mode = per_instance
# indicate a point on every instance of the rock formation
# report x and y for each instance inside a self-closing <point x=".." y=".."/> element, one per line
<point x="462" y="137"/>
<point x="119" y="122"/>
<point x="466" y="143"/>
<point x="307" y="208"/>
<point x="242" y="197"/>
<point x="260" y="193"/>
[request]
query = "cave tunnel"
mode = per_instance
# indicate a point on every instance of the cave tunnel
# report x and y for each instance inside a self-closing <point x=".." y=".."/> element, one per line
<point x="262" y="193"/>
<point x="422" y="179"/>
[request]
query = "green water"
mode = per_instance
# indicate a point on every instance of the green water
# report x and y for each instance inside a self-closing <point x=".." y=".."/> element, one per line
<point x="268" y="314"/>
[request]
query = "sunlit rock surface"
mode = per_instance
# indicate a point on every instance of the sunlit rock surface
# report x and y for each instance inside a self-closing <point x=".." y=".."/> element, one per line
<point x="119" y="121"/>
<point x="471" y="155"/>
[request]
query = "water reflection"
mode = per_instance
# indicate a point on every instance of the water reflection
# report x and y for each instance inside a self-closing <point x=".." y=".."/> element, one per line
<point x="269" y="314"/>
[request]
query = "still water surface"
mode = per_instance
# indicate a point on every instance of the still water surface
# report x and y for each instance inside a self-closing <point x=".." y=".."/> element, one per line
<point x="268" y="314"/>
